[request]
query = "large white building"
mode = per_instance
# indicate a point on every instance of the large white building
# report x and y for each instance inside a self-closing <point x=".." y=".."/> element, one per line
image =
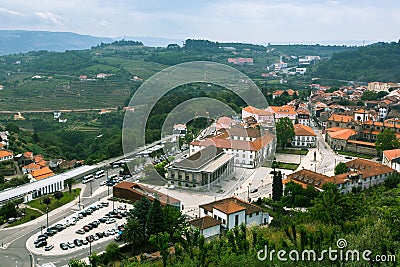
<point x="304" y="136"/>
<point x="233" y="212"/>
<point x="282" y="112"/>
<point x="249" y="146"/>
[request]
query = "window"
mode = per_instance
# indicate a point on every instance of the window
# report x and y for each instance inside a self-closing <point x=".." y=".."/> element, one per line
<point x="251" y="215"/>
<point x="205" y="212"/>
<point x="223" y="221"/>
<point x="257" y="213"/>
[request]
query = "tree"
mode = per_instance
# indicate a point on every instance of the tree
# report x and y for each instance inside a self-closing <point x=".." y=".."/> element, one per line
<point x="341" y="168"/>
<point x="140" y="213"/>
<point x="284" y="131"/>
<point x="58" y="195"/>
<point x="392" y="181"/>
<point x="2" y="179"/>
<point x="113" y="252"/>
<point x="277" y="186"/>
<point x="8" y="210"/>
<point x="386" y="140"/>
<point x="160" y="241"/>
<point x="94" y="259"/>
<point x="47" y="201"/>
<point x="133" y="233"/>
<point x="69" y="182"/>
<point x="155" y="217"/>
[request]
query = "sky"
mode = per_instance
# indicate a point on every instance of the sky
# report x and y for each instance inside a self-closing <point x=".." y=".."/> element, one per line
<point x="251" y="21"/>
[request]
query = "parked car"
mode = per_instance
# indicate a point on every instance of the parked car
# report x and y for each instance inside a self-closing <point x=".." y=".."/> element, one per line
<point x="110" y="221"/>
<point x="81" y="231"/>
<point x="103" y="219"/>
<point x="49" y="247"/>
<point x="41" y="243"/>
<point x="63" y="246"/>
<point x="77" y="242"/>
<point x="70" y="244"/>
<point x="43" y="236"/>
<point x="84" y="242"/>
<point x="118" y="238"/>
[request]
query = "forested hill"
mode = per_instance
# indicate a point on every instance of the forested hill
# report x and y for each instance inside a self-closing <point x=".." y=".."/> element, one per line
<point x="376" y="62"/>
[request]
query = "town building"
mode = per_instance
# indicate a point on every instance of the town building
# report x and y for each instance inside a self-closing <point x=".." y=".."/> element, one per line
<point x="363" y="174"/>
<point x="134" y="192"/>
<point x="249" y="146"/>
<point x="304" y="136"/>
<point x="207" y="225"/>
<point x="382" y="86"/>
<point x="391" y="158"/>
<point x="202" y="168"/>
<point x="40" y="174"/>
<point x="6" y="155"/>
<point x="303" y="117"/>
<point x="179" y="129"/>
<point x="233" y="212"/>
<point x="283" y="112"/>
<point x="260" y="115"/>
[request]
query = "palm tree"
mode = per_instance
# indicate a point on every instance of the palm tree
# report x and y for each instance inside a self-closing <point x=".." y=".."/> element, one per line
<point x="69" y="182"/>
<point x="133" y="233"/>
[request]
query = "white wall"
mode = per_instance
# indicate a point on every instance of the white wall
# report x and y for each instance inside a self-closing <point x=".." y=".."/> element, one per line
<point x="231" y="219"/>
<point x="212" y="231"/>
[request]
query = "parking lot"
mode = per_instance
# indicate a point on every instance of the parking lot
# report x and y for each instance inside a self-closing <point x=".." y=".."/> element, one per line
<point x="108" y="227"/>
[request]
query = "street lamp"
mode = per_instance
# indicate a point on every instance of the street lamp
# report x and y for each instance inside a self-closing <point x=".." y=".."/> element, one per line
<point x="47" y="215"/>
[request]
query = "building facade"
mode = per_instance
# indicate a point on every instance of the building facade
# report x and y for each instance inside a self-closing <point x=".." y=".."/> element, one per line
<point x="202" y="168"/>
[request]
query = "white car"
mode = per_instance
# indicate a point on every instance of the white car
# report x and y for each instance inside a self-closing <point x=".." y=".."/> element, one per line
<point x="103" y="183"/>
<point x="110" y="221"/>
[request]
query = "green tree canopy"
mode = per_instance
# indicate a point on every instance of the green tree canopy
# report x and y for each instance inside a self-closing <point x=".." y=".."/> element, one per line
<point x="277" y="186"/>
<point x="386" y="140"/>
<point x="341" y="168"/>
<point x="284" y="131"/>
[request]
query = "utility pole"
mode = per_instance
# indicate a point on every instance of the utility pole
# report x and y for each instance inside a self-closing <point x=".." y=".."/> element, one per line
<point x="47" y="215"/>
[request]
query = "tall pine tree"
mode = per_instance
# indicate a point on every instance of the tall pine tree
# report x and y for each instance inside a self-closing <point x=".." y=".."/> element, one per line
<point x="277" y="187"/>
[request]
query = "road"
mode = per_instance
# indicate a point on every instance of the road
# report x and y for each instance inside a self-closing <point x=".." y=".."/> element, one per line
<point x="329" y="158"/>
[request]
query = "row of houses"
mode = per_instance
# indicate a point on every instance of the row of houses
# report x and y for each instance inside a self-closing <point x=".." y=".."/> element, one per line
<point x="362" y="174"/>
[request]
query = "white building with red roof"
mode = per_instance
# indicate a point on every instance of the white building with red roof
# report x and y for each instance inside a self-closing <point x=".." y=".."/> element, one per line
<point x="249" y="146"/>
<point x="261" y="115"/>
<point x="233" y="212"/>
<point x="304" y="136"/>
<point x="391" y="158"/>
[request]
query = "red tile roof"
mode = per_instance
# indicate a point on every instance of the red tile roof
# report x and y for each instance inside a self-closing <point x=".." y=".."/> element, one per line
<point x="250" y="208"/>
<point x="341" y="118"/>
<point x="42" y="173"/>
<point x="5" y="153"/>
<point x="342" y="134"/>
<point x="303" y="130"/>
<point x="205" y="222"/>
<point x="257" y="111"/>
<point x="392" y="154"/>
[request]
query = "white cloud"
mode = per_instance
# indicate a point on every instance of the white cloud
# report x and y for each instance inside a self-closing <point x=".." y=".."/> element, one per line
<point x="11" y="12"/>
<point x="50" y="16"/>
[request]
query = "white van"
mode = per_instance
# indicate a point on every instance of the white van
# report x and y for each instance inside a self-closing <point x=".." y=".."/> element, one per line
<point x="99" y="174"/>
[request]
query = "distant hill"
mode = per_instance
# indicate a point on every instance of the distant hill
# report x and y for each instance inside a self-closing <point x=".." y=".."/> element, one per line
<point x="12" y="41"/>
<point x="376" y="62"/>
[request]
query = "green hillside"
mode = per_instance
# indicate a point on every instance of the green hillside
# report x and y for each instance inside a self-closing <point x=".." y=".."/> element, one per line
<point x="377" y="62"/>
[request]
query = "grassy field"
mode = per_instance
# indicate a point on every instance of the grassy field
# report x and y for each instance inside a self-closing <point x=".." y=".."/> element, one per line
<point x="286" y="166"/>
<point x="293" y="151"/>
<point x="67" y="198"/>
<point x="352" y="154"/>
